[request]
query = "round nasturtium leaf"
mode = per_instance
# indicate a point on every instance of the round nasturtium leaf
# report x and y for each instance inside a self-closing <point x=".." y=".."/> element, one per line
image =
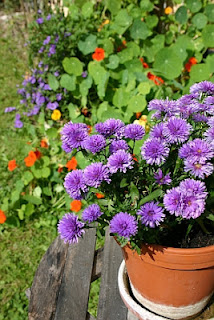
<point x="193" y="5"/>
<point x="199" y="72"/>
<point x="181" y="15"/>
<point x="199" y="20"/>
<point x="139" y="30"/>
<point x="208" y="35"/>
<point x="137" y="103"/>
<point x="168" y="63"/>
<point x="73" y="66"/>
<point x="209" y="11"/>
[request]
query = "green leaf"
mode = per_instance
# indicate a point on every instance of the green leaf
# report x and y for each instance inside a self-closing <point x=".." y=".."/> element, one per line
<point x="85" y="85"/>
<point x="193" y="5"/>
<point x="88" y="45"/>
<point x="113" y="6"/>
<point x="19" y="186"/>
<point x="37" y="192"/>
<point x="121" y="98"/>
<point x="5" y="204"/>
<point x="53" y="82"/>
<point x="21" y="212"/>
<point x="73" y="66"/>
<point x="45" y="172"/>
<point x="210" y="62"/>
<point x="124" y="183"/>
<point x="29" y="209"/>
<point x="146" y="5"/>
<point x="113" y="62"/>
<point x="181" y="15"/>
<point x="107" y="45"/>
<point x="137" y="103"/>
<point x="13" y="221"/>
<point x="139" y="30"/>
<point x="96" y="71"/>
<point x="32" y="199"/>
<point x="46" y="161"/>
<point x="87" y="9"/>
<point x="154" y="195"/>
<point x="47" y="191"/>
<point x="208" y="36"/>
<point x="52" y="133"/>
<point x="151" y="21"/>
<point x="209" y="11"/>
<point x="180" y="50"/>
<point x="210" y="217"/>
<point x="134" y="193"/>
<point x="82" y="161"/>
<point x="134" y="65"/>
<point x="27" y="177"/>
<point x="122" y="22"/>
<point x="125" y="55"/>
<point x="168" y="63"/>
<point x="199" y="20"/>
<point x="58" y="188"/>
<point x="68" y="82"/>
<point x="144" y="88"/>
<point x="74" y="111"/>
<point x="199" y="72"/>
<point x="102" y="108"/>
<point x="111" y="112"/>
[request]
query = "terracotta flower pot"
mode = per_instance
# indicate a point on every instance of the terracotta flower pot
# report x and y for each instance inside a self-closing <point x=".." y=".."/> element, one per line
<point x="172" y="282"/>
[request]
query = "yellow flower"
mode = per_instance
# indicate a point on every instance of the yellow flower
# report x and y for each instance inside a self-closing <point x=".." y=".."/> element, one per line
<point x="168" y="10"/>
<point x="142" y="121"/>
<point x="56" y="115"/>
<point x="105" y="22"/>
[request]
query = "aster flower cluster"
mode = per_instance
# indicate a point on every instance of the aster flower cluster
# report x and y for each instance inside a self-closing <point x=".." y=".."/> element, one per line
<point x="150" y="182"/>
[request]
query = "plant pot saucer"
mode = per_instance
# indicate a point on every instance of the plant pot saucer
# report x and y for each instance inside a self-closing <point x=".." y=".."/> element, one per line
<point x="134" y="306"/>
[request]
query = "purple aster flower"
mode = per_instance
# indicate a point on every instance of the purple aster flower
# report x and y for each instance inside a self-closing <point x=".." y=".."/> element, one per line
<point x="200" y="118"/>
<point x="95" y="174"/>
<point x="18" y="123"/>
<point x="210" y="122"/>
<point x="84" y="74"/>
<point x="209" y="136"/>
<point x="75" y="184"/>
<point x="40" y="20"/>
<point x="155" y="151"/>
<point x="176" y="130"/>
<point x="196" y="150"/>
<point x="40" y="100"/>
<point x="58" y="97"/>
<point x="47" y="87"/>
<point x="95" y="143"/>
<point x="109" y="127"/>
<point x="151" y="214"/>
<point x="21" y="91"/>
<point x="9" y="109"/>
<point x="22" y="101"/>
<point x="91" y="213"/>
<point x="192" y="207"/>
<point x="52" y="50"/>
<point x="67" y="34"/>
<point x="48" y="17"/>
<point x="56" y="39"/>
<point x="203" y="87"/>
<point x="134" y="131"/>
<point x="120" y="161"/>
<point x="52" y="105"/>
<point x="47" y="40"/>
<point x="195" y="187"/>
<point x="46" y="67"/>
<point x="74" y="135"/>
<point x="156" y="104"/>
<point x="124" y="225"/>
<point x="70" y="229"/>
<point x="118" y="145"/>
<point x="172" y="201"/>
<point x="40" y="64"/>
<point x="161" y="179"/>
<point x="56" y="73"/>
<point x="200" y="169"/>
<point x="41" y="49"/>
<point x="157" y="131"/>
<point x="39" y="11"/>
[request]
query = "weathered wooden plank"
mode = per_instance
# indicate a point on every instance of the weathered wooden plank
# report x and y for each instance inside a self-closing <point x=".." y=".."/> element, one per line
<point x="47" y="280"/>
<point x="72" y="301"/>
<point x="110" y="305"/>
<point x="97" y="267"/>
<point x="89" y="317"/>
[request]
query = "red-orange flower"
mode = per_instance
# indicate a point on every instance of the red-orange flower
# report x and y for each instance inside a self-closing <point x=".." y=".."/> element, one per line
<point x="76" y="205"/>
<point x="2" y="217"/>
<point x="190" y="63"/>
<point x="30" y="159"/>
<point x="157" y="80"/>
<point x="60" y="168"/>
<point x="38" y="154"/>
<point x="89" y="129"/>
<point x="99" y="54"/>
<point x="193" y="60"/>
<point x="44" y="143"/>
<point x="138" y="115"/>
<point x="144" y="64"/>
<point x="100" y="195"/>
<point x="12" y="165"/>
<point x="71" y="164"/>
<point x="134" y="158"/>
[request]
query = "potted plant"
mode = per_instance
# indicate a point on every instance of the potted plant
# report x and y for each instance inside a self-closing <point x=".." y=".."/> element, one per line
<point x="156" y="193"/>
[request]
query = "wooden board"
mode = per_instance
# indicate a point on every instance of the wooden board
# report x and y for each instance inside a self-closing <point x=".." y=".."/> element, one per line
<point x="47" y="280"/>
<point x="111" y="306"/>
<point x="72" y="301"/>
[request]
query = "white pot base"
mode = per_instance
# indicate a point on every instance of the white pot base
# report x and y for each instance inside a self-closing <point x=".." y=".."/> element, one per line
<point x="144" y="314"/>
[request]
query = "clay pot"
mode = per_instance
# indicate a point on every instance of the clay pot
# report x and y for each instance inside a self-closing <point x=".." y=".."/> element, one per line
<point x="172" y="282"/>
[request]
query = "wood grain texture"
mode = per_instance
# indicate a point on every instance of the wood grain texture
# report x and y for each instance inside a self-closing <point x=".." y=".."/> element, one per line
<point x="47" y="280"/>
<point x="97" y="266"/>
<point x="111" y="306"/>
<point x="72" y="301"/>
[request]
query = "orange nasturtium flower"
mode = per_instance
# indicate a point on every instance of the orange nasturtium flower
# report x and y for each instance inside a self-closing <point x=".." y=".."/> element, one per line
<point x="168" y="10"/>
<point x="190" y="63"/>
<point x="38" y="154"/>
<point x="71" y="164"/>
<point x="60" y="168"/>
<point x="76" y="205"/>
<point x="12" y="165"/>
<point x="100" y="195"/>
<point x="44" y="143"/>
<point x="157" y="80"/>
<point x="144" y="64"/>
<point x="56" y="115"/>
<point x="99" y="54"/>
<point x="2" y="217"/>
<point x="138" y="115"/>
<point x="30" y="159"/>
